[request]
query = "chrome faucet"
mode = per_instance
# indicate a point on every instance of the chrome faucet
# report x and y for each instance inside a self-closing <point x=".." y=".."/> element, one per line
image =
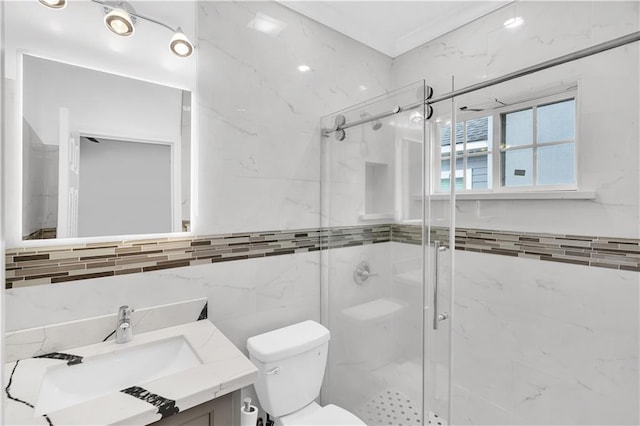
<point x="124" y="331"/>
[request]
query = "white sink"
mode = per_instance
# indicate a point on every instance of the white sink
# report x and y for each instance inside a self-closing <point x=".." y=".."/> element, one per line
<point x="66" y="385"/>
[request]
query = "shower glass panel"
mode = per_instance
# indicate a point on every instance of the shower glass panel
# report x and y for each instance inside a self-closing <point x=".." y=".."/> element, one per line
<point x="378" y="276"/>
<point x="438" y="257"/>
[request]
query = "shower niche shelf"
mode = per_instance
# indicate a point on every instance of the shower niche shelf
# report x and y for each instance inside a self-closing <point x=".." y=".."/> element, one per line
<point x="378" y="198"/>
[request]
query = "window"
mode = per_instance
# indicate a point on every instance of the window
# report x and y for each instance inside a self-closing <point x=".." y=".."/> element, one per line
<point x="473" y="154"/>
<point x="533" y="148"/>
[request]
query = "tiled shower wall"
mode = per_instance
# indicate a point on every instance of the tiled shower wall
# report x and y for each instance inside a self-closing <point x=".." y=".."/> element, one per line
<point x="548" y="342"/>
<point x="607" y="120"/>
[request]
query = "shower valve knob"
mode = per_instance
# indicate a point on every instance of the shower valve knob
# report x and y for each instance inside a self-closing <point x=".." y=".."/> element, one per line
<point x="363" y="273"/>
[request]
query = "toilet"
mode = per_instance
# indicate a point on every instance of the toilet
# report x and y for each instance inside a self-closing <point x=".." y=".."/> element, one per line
<point x="291" y="363"/>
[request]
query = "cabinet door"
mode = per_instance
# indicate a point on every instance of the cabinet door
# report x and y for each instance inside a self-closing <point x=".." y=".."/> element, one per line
<point x="217" y="412"/>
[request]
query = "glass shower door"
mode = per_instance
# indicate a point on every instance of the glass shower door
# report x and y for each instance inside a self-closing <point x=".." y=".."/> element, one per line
<point x="439" y="214"/>
<point x="377" y="271"/>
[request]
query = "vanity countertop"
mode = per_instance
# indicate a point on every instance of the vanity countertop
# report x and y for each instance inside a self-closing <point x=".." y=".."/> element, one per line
<point x="224" y="369"/>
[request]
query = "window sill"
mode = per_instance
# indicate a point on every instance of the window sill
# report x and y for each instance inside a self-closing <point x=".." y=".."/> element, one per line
<point x="532" y="195"/>
<point x="375" y="216"/>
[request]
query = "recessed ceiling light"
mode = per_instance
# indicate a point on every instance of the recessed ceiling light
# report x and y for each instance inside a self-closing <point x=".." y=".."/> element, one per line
<point x="266" y="24"/>
<point x="362" y="87"/>
<point x="304" y="68"/>
<point x="513" y="22"/>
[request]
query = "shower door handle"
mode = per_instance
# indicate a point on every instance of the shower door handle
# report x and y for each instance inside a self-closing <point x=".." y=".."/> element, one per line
<point x="437" y="316"/>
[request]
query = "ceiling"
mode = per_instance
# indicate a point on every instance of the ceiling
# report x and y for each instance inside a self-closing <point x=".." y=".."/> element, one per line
<point x="393" y="27"/>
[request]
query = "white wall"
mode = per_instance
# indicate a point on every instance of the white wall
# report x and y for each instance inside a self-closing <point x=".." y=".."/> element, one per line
<point x="99" y="103"/>
<point x="40" y="183"/>
<point x="260" y="115"/>
<point x="125" y="188"/>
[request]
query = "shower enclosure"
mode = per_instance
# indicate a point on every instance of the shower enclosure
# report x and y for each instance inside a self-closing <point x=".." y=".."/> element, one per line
<point x="386" y="282"/>
<point x="535" y="338"/>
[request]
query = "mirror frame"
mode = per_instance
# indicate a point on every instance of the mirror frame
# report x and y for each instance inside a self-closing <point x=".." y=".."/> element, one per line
<point x="13" y="182"/>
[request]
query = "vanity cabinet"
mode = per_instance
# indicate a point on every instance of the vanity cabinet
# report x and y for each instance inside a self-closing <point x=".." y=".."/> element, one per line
<point x="217" y="412"/>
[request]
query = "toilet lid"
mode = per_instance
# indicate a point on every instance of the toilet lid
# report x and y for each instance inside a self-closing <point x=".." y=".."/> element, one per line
<point x="330" y="415"/>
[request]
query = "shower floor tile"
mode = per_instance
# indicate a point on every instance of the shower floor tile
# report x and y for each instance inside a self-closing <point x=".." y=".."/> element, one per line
<point x="393" y="408"/>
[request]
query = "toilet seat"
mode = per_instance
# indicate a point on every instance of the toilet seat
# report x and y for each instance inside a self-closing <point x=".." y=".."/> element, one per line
<point x="314" y="415"/>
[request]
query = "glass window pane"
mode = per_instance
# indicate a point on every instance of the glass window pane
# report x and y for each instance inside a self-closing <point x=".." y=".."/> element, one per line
<point x="478" y="133"/>
<point x="445" y="167"/>
<point x="518" y="128"/>
<point x="556" y="164"/>
<point x="459" y="173"/>
<point x="517" y="167"/>
<point x="479" y="172"/>
<point x="556" y="122"/>
<point x="445" y="136"/>
<point x="445" y="176"/>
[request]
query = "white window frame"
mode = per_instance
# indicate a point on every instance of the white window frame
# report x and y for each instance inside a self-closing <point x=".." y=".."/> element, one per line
<point x="495" y="149"/>
<point x="498" y="149"/>
<point x="438" y="166"/>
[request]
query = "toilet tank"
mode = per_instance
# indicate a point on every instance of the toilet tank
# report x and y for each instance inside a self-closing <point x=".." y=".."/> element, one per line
<point x="291" y="363"/>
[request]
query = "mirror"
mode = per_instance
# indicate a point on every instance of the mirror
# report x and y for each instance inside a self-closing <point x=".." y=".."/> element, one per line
<point x="103" y="154"/>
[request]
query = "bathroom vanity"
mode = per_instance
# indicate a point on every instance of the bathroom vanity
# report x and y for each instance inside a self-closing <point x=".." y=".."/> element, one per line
<point x="184" y="374"/>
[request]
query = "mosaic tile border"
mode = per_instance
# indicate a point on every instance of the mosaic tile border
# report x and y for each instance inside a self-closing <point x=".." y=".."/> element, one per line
<point x="603" y="252"/>
<point x="56" y="264"/>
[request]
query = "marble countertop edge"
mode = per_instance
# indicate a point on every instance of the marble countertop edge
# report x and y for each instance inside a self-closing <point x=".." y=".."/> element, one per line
<point x="216" y="376"/>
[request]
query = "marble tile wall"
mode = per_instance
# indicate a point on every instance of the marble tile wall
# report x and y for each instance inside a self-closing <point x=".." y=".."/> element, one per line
<point x="547" y="342"/>
<point x="259" y="116"/>
<point x="259" y="165"/>
<point x="258" y="151"/>
<point x="552" y="345"/>
<point x="244" y="298"/>
<point x="608" y="107"/>
<point x="58" y="337"/>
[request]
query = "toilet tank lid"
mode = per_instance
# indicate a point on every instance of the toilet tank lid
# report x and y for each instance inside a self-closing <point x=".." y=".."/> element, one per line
<point x="287" y="341"/>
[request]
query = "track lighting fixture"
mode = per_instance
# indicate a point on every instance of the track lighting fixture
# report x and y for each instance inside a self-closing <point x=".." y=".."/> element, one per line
<point x="54" y="4"/>
<point x="120" y="18"/>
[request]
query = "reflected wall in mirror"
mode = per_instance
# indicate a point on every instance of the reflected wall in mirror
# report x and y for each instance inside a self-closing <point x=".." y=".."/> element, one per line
<point x="103" y="154"/>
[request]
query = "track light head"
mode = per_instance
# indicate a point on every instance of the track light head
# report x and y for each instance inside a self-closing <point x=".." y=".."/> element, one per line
<point x="119" y="21"/>
<point x="54" y="4"/>
<point x="180" y="44"/>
